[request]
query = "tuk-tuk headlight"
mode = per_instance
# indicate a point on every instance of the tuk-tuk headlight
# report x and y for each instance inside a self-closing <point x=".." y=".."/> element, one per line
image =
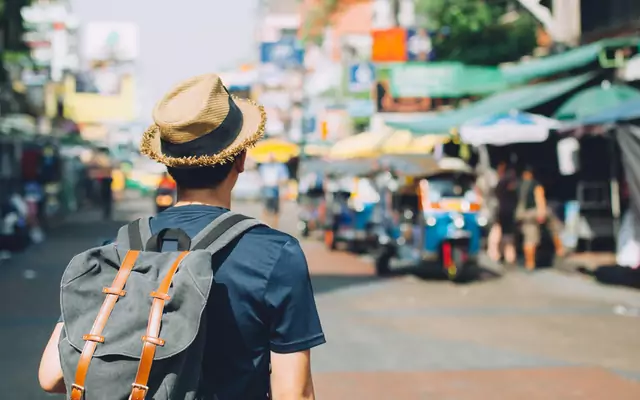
<point x="458" y="223"/>
<point x="383" y="239"/>
<point x="431" y="220"/>
<point x="482" y="220"/>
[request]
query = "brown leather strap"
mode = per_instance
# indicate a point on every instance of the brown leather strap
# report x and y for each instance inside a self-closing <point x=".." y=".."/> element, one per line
<point x="95" y="336"/>
<point x="151" y="340"/>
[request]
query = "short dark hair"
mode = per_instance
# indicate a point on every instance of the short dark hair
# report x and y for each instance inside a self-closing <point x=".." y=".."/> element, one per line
<point x="201" y="177"/>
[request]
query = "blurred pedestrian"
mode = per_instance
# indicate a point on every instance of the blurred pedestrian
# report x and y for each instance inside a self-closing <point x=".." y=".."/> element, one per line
<point x="274" y="174"/>
<point x="167" y="182"/>
<point x="507" y="198"/>
<point x="488" y="187"/>
<point x="531" y="213"/>
<point x="240" y="327"/>
<point x="102" y="173"/>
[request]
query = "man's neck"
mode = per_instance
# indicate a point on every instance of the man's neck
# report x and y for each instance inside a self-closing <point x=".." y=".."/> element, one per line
<point x="209" y="197"/>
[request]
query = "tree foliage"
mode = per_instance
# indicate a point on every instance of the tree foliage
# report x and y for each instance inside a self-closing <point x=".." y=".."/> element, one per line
<point x="475" y="32"/>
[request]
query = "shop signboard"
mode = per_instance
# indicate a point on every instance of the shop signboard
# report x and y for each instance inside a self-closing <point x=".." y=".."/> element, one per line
<point x="361" y="77"/>
<point x="389" y="45"/>
<point x="419" y="45"/>
<point x="422" y="80"/>
<point x="361" y="108"/>
<point x="443" y="80"/>
<point x="387" y="102"/>
<point x="286" y="53"/>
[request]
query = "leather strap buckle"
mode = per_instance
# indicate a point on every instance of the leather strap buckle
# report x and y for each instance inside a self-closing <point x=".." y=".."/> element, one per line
<point x="153" y="340"/>
<point x="139" y="391"/>
<point x="93" y="338"/>
<point x="77" y="391"/>
<point x="161" y="296"/>
<point x="140" y="386"/>
<point x="114" y="291"/>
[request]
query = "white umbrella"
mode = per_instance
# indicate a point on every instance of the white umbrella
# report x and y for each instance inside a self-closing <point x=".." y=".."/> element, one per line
<point x="508" y="128"/>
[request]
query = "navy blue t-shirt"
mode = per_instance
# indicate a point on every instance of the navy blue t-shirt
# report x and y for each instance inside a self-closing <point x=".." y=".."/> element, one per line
<point x="261" y="300"/>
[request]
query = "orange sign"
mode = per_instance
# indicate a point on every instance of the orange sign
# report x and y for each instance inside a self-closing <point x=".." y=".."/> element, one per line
<point x="389" y="45"/>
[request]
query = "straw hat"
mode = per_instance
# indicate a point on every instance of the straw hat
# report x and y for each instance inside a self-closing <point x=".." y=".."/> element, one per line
<point x="198" y="123"/>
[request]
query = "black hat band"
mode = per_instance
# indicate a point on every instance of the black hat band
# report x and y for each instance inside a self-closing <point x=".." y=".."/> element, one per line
<point x="210" y="143"/>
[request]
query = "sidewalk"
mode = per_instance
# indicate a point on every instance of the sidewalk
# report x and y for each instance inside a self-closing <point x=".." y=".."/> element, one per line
<point x="587" y="260"/>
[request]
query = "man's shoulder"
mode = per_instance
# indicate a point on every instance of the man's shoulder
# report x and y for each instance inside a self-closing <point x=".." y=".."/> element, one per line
<point x="268" y="236"/>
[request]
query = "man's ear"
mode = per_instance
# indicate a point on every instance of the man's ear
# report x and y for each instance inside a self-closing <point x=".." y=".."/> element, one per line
<point x="239" y="163"/>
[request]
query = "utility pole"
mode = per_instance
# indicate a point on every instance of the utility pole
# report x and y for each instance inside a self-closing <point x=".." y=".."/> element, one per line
<point x="563" y="25"/>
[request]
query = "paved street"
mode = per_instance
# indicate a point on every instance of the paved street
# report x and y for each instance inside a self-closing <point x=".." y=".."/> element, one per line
<point x="541" y="336"/>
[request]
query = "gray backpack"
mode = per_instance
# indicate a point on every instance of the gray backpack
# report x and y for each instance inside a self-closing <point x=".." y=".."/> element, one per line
<point x="128" y="305"/>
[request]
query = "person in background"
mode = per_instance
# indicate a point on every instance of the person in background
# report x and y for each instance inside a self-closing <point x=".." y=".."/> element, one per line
<point x="531" y="213"/>
<point x="167" y="182"/>
<point x="102" y="170"/>
<point x="488" y="187"/>
<point x="507" y="198"/>
<point x="273" y="174"/>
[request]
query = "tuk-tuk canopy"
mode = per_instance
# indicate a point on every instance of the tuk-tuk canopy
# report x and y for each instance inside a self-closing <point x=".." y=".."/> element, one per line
<point x="281" y="150"/>
<point x="366" y="144"/>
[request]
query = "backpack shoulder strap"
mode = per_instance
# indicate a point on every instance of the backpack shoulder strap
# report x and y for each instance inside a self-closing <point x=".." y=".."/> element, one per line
<point x="223" y="230"/>
<point x="94" y="337"/>
<point x="135" y="234"/>
<point x="139" y="387"/>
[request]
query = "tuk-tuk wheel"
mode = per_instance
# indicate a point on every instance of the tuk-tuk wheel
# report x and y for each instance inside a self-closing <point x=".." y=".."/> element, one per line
<point x="383" y="262"/>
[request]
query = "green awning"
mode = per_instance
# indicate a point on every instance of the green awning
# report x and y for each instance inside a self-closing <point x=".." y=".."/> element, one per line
<point x="593" y="100"/>
<point x="443" y="80"/>
<point x="522" y="98"/>
<point x="552" y="65"/>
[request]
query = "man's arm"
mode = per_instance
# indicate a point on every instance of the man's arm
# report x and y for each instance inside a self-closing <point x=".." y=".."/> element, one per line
<point x="50" y="372"/>
<point x="541" y="203"/>
<point x="291" y="376"/>
<point x="295" y="325"/>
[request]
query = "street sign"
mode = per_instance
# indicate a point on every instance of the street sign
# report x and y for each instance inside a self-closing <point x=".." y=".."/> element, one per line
<point x="419" y="45"/>
<point x="361" y="77"/>
<point x="284" y="53"/>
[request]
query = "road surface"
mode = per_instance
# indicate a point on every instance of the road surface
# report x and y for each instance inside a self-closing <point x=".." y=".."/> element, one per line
<point x="540" y="336"/>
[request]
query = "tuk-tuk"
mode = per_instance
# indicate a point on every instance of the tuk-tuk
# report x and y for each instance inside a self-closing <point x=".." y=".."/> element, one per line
<point x="350" y="205"/>
<point x="434" y="219"/>
<point x="311" y="195"/>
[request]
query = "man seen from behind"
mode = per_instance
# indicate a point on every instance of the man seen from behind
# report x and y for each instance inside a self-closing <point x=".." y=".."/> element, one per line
<point x="261" y="316"/>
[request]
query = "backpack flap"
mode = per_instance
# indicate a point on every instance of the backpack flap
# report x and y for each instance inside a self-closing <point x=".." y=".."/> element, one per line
<point x="91" y="271"/>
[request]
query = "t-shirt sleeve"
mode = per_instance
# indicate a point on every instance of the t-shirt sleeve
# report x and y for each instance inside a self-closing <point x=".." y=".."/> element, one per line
<point x="294" y="321"/>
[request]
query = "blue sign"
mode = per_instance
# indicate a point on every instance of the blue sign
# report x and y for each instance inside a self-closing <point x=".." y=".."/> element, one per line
<point x="360" y="108"/>
<point x="309" y="125"/>
<point x="361" y="77"/>
<point x="285" y="53"/>
<point x="420" y="45"/>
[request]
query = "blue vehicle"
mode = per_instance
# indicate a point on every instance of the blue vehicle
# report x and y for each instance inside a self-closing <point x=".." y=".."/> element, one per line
<point x="351" y="206"/>
<point x="434" y="222"/>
